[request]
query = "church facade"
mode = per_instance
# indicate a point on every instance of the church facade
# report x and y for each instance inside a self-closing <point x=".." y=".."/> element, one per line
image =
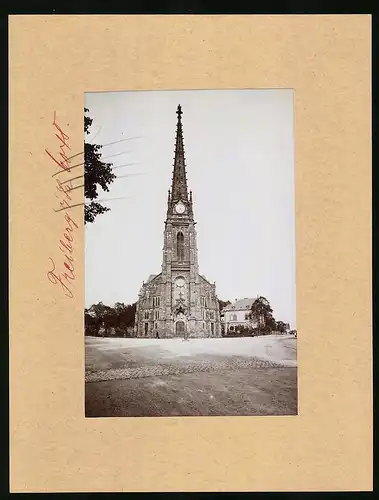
<point x="178" y="302"/>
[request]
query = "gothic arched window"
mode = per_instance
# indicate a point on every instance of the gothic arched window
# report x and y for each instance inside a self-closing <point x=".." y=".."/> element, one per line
<point x="180" y="246"/>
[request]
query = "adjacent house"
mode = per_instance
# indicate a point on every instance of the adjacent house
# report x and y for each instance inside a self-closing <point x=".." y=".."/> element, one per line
<point x="236" y="315"/>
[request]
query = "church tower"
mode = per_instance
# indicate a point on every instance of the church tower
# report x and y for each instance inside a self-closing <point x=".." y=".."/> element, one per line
<point x="178" y="301"/>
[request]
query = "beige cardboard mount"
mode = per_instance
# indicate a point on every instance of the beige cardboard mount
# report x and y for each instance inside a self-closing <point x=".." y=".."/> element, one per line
<point x="54" y="60"/>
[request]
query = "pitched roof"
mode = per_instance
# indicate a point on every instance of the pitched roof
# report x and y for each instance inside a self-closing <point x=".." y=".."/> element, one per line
<point x="151" y="277"/>
<point x="240" y="305"/>
<point x="205" y="279"/>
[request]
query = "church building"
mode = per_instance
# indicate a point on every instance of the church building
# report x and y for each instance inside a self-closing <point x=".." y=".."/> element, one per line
<point x="178" y="302"/>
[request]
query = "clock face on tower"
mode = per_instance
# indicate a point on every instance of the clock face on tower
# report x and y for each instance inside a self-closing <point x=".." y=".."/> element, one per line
<point x="180" y="208"/>
<point x="180" y="282"/>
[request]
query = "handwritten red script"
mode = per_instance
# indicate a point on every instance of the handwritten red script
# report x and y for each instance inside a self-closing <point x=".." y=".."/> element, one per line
<point x="62" y="271"/>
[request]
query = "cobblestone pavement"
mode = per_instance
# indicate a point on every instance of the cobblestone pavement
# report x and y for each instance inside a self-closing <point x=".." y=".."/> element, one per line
<point x="212" y="364"/>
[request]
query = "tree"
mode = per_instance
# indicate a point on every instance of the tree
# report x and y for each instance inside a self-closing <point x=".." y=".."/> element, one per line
<point x="96" y="173"/>
<point x="104" y="320"/>
<point x="99" y="310"/>
<point x="101" y="315"/>
<point x="281" y="326"/>
<point x="90" y="324"/>
<point x="261" y="313"/>
<point x="269" y="324"/>
<point x="125" y="315"/>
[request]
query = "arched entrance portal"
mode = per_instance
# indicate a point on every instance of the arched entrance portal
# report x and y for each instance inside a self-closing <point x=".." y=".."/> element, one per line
<point x="180" y="329"/>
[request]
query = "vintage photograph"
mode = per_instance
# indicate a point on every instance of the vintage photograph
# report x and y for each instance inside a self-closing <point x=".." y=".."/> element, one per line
<point x="190" y="283"/>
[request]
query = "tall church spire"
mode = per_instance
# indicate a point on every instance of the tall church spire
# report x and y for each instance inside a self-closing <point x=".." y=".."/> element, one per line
<point x="179" y="179"/>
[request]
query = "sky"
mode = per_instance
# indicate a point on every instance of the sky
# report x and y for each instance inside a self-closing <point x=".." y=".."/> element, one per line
<point x="239" y="150"/>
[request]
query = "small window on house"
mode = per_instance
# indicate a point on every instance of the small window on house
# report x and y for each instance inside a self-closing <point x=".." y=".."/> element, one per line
<point x="234" y="317"/>
<point x="246" y="316"/>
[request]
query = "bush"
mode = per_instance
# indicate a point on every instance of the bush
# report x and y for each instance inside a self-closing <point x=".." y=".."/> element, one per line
<point x="91" y="330"/>
<point x="240" y="331"/>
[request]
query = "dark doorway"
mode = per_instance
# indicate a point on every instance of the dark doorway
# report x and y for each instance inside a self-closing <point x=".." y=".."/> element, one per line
<point x="146" y="328"/>
<point x="212" y="329"/>
<point x="180" y="328"/>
